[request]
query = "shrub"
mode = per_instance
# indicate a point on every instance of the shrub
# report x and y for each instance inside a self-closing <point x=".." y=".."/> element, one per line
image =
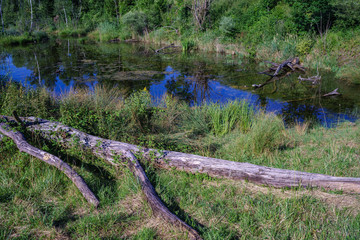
<point x="136" y="21"/>
<point x="304" y="46"/>
<point x="227" y="26"/>
<point x="107" y="31"/>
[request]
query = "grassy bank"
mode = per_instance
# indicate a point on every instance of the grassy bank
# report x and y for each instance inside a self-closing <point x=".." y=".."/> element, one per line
<point x="37" y="201"/>
<point x="15" y="39"/>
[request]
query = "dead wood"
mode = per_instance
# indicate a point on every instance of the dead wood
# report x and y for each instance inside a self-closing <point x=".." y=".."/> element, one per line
<point x="163" y="48"/>
<point x="314" y="79"/>
<point x="157" y="206"/>
<point x="332" y="93"/>
<point x="24" y="146"/>
<point x="271" y="79"/>
<point x="107" y="149"/>
<point x="280" y="70"/>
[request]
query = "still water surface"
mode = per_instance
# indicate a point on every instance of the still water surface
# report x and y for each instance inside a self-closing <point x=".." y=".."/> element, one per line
<point x="195" y="78"/>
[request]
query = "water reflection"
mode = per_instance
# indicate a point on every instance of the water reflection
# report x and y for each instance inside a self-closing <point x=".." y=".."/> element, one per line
<point x="195" y="78"/>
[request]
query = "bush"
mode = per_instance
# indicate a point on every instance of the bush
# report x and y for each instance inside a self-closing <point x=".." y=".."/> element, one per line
<point x="135" y="21"/>
<point x="227" y="26"/>
<point x="107" y="31"/>
<point x="304" y="46"/>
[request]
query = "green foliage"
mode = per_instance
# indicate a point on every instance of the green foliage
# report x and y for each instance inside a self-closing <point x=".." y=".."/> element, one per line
<point x="223" y="119"/>
<point x="135" y="21"/>
<point x="310" y="15"/>
<point x="145" y="234"/>
<point x="266" y="135"/>
<point x="346" y="13"/>
<point x="107" y="31"/>
<point x="38" y="201"/>
<point x="27" y="102"/>
<point x="138" y="105"/>
<point x="227" y="26"/>
<point x="188" y="45"/>
<point x="304" y="46"/>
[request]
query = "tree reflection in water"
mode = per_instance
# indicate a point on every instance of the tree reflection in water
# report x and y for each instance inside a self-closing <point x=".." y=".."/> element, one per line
<point x="194" y="78"/>
<point x="195" y="88"/>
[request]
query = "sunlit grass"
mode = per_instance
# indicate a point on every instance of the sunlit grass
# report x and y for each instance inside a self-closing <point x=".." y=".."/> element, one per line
<point x="38" y="201"/>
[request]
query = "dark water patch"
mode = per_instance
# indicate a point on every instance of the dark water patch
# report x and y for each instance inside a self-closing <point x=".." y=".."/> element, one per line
<point x="195" y="78"/>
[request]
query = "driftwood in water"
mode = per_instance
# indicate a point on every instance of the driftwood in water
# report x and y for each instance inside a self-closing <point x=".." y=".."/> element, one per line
<point x="314" y="79"/>
<point x="291" y="64"/>
<point x="272" y="79"/>
<point x="107" y="149"/>
<point x="332" y="93"/>
<point x="163" y="48"/>
<point x="157" y="206"/>
<point x="24" y="146"/>
<point x="280" y="70"/>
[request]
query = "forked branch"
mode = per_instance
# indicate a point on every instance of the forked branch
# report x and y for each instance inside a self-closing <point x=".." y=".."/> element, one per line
<point x="24" y="146"/>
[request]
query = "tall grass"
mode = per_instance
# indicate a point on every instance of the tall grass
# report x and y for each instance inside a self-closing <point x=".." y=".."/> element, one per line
<point x="223" y="119"/>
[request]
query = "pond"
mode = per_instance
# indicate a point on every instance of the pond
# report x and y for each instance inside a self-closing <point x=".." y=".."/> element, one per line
<point x="195" y="77"/>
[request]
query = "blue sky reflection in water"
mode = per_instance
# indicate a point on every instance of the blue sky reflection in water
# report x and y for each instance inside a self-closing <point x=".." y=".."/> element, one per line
<point x="195" y="78"/>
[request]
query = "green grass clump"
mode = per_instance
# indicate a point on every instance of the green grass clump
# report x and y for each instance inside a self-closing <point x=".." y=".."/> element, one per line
<point x="27" y="102"/>
<point x="225" y="118"/>
<point x="266" y="135"/>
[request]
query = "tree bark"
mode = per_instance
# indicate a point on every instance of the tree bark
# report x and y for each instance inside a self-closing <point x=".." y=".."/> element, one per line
<point x="157" y="206"/>
<point x="31" y="16"/>
<point x="24" y="146"/>
<point x="2" y="20"/>
<point x="107" y="149"/>
<point x="117" y="12"/>
<point x="66" y="21"/>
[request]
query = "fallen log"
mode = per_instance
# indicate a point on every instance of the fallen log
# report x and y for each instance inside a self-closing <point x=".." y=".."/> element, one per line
<point x="153" y="199"/>
<point x="24" y="146"/>
<point x="107" y="149"/>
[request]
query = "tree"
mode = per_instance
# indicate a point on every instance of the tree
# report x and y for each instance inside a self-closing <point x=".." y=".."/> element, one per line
<point x="200" y="10"/>
<point x="347" y="13"/>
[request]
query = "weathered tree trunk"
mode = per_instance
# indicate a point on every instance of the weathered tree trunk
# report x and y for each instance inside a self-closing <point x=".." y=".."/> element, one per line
<point x="66" y="21"/>
<point x="24" y="146"/>
<point x="117" y="12"/>
<point x="153" y="199"/>
<point x="107" y="149"/>
<point x="200" y="9"/>
<point x="31" y="16"/>
<point x="1" y="14"/>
